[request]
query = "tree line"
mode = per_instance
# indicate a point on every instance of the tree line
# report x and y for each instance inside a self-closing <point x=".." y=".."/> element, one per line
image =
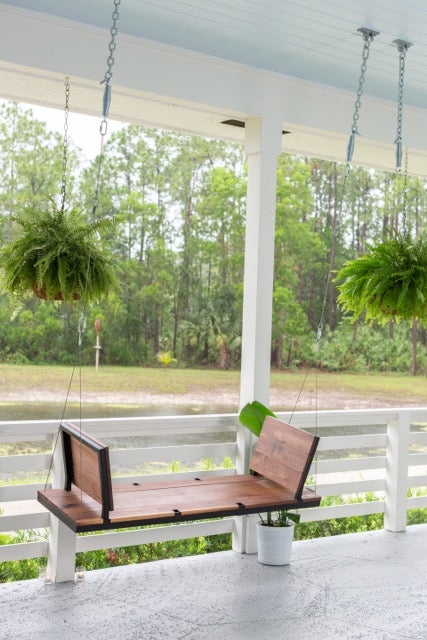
<point x="178" y="203"/>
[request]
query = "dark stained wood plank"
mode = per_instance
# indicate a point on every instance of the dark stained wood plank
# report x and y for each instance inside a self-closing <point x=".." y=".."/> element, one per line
<point x="88" y="464"/>
<point x="284" y="454"/>
<point x="230" y="494"/>
<point x="79" y="508"/>
<point x="148" y="484"/>
<point x="86" y="474"/>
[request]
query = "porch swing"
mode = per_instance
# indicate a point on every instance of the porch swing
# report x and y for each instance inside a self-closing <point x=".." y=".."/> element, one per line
<point x="89" y="501"/>
<point x="279" y="466"/>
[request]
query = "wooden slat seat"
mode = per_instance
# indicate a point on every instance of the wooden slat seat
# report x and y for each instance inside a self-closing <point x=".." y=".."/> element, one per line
<point x="282" y="455"/>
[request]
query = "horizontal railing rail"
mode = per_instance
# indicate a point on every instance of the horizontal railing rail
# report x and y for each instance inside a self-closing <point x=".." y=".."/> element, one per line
<point x="385" y="464"/>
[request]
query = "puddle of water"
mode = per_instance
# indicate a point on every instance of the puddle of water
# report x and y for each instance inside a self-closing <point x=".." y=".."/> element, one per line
<point x="53" y="410"/>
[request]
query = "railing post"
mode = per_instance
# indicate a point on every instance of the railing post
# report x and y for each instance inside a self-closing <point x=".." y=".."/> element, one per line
<point x="61" y="556"/>
<point x="263" y="137"/>
<point x="396" y="483"/>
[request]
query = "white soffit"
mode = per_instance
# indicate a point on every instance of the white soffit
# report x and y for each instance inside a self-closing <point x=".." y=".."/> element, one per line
<point x="174" y="88"/>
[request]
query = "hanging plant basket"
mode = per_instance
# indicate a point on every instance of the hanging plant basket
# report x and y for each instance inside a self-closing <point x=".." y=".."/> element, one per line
<point x="42" y="295"/>
<point x="57" y="256"/>
<point x="388" y="283"/>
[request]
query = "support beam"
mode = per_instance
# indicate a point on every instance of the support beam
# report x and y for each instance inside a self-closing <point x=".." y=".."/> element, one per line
<point x="61" y="556"/>
<point x="263" y="143"/>
<point x="396" y="483"/>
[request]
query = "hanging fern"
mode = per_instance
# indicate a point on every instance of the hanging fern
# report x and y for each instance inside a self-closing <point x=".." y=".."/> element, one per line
<point x="57" y="254"/>
<point x="389" y="282"/>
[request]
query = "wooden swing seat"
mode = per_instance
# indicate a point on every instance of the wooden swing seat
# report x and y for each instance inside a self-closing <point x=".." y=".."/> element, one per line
<point x="90" y="502"/>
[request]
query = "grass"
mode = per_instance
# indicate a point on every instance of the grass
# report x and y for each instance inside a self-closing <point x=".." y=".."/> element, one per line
<point x="114" y="379"/>
<point x="33" y="380"/>
<point x="383" y="386"/>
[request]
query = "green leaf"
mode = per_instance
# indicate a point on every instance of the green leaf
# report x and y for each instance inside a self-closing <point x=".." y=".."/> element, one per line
<point x="253" y="415"/>
<point x="389" y="282"/>
<point x="295" y="517"/>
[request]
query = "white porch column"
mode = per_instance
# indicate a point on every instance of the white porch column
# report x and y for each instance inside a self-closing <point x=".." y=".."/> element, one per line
<point x="61" y="556"/>
<point x="263" y="145"/>
<point x="396" y="482"/>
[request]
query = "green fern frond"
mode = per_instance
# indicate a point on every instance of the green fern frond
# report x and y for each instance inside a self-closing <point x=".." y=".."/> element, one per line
<point x="389" y="282"/>
<point x="53" y="250"/>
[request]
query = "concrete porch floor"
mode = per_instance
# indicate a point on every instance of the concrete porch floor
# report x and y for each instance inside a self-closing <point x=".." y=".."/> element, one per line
<point x="360" y="586"/>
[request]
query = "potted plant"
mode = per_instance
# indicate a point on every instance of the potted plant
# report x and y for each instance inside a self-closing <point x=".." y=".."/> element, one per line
<point x="275" y="532"/>
<point x="274" y="537"/>
<point x="389" y="282"/>
<point x="56" y="255"/>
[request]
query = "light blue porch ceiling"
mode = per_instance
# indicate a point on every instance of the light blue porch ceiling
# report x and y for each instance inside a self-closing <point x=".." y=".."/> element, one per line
<point x="315" y="40"/>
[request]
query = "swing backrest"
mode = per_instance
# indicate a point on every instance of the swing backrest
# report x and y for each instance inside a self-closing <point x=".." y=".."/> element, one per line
<point x="87" y="465"/>
<point x="284" y="454"/>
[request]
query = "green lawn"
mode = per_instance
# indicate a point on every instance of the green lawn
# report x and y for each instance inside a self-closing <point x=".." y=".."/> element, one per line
<point x="385" y="389"/>
<point x="114" y="379"/>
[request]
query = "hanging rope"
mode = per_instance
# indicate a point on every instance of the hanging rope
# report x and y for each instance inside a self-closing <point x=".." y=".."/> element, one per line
<point x="368" y="35"/>
<point x="81" y="327"/>
<point x="402" y="47"/>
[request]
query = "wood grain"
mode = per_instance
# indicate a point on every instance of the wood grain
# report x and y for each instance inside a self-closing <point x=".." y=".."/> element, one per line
<point x="187" y="498"/>
<point x="87" y="465"/>
<point x="284" y="454"/>
<point x="282" y="458"/>
<point x="86" y="475"/>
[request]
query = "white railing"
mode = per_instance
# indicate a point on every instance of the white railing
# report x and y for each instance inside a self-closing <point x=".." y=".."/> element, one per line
<point x="389" y="472"/>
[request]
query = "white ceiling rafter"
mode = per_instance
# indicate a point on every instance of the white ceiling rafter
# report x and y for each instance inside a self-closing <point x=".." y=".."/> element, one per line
<point x="188" y="66"/>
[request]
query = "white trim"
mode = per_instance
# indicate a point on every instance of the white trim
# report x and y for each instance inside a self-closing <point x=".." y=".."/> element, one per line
<point x="417" y="481"/>
<point x="25" y="462"/>
<point x="346" y="488"/>
<point x="333" y="443"/>
<point x="23" y="551"/>
<point x="418" y="502"/>
<point x="418" y="437"/>
<point x="155" y="534"/>
<point x="20" y="492"/>
<point x="191" y="91"/>
<point x="181" y="453"/>
<point x="38" y="520"/>
<point x="342" y="511"/>
<point x="348" y="464"/>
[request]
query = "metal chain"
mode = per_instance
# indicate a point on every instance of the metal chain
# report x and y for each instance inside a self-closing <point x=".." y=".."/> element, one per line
<point x="110" y="60"/>
<point x="405" y="192"/>
<point x="65" y="144"/>
<point x="106" y="98"/>
<point x="103" y="133"/>
<point x="368" y="35"/>
<point x="82" y="325"/>
<point x="402" y="47"/>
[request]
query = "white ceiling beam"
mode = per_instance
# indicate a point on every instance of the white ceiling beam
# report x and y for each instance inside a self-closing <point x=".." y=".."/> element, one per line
<point x="170" y="87"/>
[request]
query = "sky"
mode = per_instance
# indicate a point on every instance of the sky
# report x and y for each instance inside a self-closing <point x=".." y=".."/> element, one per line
<point x="83" y="130"/>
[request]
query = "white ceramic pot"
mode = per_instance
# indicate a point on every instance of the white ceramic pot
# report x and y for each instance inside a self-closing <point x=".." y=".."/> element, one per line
<point x="274" y="544"/>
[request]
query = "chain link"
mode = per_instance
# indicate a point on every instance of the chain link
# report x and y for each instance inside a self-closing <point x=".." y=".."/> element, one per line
<point x="402" y="47"/>
<point x="110" y="60"/>
<point x="365" y="55"/>
<point x="368" y="35"/>
<point x="106" y="99"/>
<point x="405" y="192"/>
<point x="65" y="144"/>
